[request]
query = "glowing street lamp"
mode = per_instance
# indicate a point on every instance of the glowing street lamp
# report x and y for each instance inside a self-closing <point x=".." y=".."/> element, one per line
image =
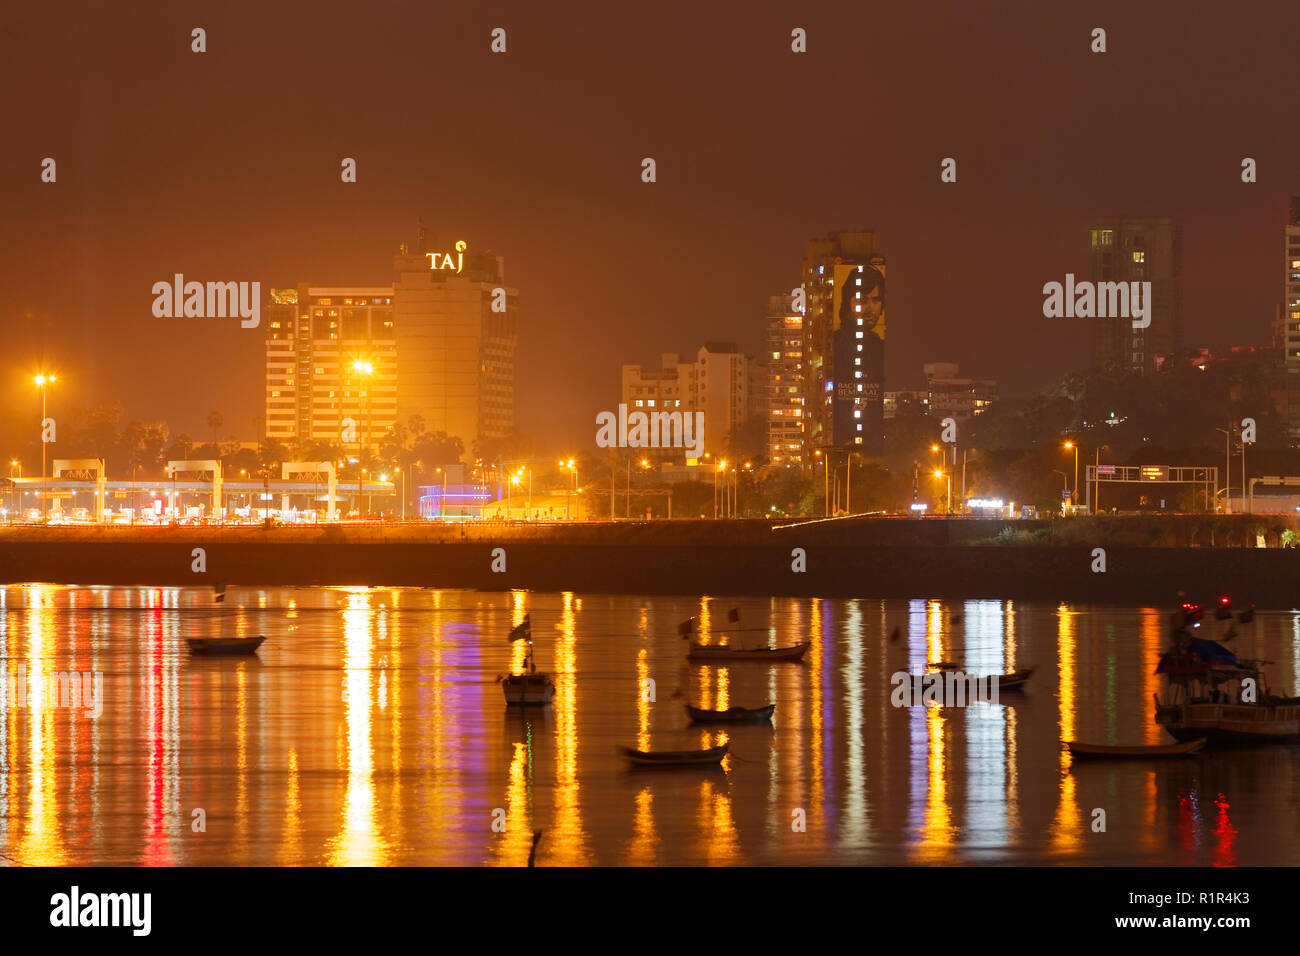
<point x="1074" y="493"/>
<point x="43" y="381"/>
<point x="948" y="501"/>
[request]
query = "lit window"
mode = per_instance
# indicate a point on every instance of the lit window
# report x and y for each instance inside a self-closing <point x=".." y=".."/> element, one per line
<point x="1139" y="256"/>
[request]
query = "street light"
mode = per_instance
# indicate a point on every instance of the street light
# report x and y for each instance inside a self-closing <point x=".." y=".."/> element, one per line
<point x="569" y="466"/>
<point x="42" y="381"/>
<point x="403" y="474"/>
<point x="1074" y="492"/>
<point x="947" y="508"/>
<point x="1227" y="469"/>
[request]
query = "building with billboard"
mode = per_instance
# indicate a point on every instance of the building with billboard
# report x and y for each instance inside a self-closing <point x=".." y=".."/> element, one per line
<point x="345" y="364"/>
<point x="844" y="344"/>
<point x="1137" y="250"/>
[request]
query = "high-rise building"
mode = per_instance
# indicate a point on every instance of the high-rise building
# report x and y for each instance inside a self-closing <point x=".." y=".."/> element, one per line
<point x="331" y="373"/>
<point x="1291" y="320"/>
<point x="784" y="375"/>
<point x="346" y="364"/>
<point x="843" y="344"/>
<point x="1137" y="250"/>
<point x="457" y="331"/>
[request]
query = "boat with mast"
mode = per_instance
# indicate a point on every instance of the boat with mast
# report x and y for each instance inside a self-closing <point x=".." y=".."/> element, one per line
<point x="1213" y="693"/>
<point x="529" y="687"/>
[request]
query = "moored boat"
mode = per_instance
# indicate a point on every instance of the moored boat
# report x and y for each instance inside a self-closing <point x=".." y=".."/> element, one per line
<point x="224" y="645"/>
<point x="1081" y="750"/>
<point x="725" y="652"/>
<point x="675" y="758"/>
<point x="732" y="715"/>
<point x="530" y="687"/>
<point x="1014" y="681"/>
<point x="1211" y="693"/>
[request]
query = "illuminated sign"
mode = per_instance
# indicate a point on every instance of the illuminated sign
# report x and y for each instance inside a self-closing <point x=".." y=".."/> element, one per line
<point x="1105" y="469"/>
<point x="1155" y="473"/>
<point x="983" y="503"/>
<point x="445" y="260"/>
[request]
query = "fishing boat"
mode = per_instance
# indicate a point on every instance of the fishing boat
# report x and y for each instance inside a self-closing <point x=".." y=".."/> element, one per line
<point x="725" y="652"/>
<point x="732" y="715"/>
<point x="1080" y="750"/>
<point x="224" y="645"/>
<point x="529" y="687"/>
<point x="675" y="758"/>
<point x="1016" y="680"/>
<point x="1212" y="693"/>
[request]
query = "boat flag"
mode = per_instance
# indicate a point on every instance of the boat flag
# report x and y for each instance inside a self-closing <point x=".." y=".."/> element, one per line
<point x="734" y="615"/>
<point x="521" y="631"/>
<point x="686" y="627"/>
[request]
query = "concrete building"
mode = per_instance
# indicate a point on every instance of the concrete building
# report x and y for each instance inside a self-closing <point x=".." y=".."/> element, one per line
<point x="331" y="371"/>
<point x="1137" y="250"/>
<point x="345" y="364"/>
<point x="719" y="383"/>
<point x="843" y="344"/>
<point x="1290" y="320"/>
<point x="783" y="368"/>
<point x="950" y="396"/>
<point x="457" y="332"/>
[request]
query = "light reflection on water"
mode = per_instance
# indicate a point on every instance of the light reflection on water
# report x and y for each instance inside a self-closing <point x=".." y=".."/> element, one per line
<point x="371" y="730"/>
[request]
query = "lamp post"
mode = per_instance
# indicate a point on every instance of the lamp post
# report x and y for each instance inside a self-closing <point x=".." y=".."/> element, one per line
<point x="1074" y="491"/>
<point x="403" y="474"/>
<point x="43" y="381"/>
<point x="947" y="505"/>
<point x="569" y="465"/>
<point x="1227" y="468"/>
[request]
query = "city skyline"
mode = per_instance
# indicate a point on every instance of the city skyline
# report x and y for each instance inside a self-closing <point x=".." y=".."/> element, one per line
<point x="141" y="193"/>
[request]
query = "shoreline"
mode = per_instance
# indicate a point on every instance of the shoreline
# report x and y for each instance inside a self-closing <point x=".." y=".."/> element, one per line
<point x="858" y="557"/>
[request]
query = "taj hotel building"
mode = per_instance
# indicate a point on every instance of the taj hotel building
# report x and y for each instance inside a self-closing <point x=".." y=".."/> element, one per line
<point x="353" y="361"/>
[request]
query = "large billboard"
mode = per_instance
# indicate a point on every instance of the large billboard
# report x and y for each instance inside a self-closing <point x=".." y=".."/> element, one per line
<point x="858" y="340"/>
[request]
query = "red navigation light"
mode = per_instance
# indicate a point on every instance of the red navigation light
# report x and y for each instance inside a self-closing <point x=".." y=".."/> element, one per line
<point x="1225" y="600"/>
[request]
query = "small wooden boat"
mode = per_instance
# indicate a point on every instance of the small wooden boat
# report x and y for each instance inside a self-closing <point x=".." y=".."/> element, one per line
<point x="1014" y="681"/>
<point x="675" y="758"/>
<point x="225" y="645"/>
<point x="1078" y="749"/>
<point x="732" y="715"/>
<point x="528" y="688"/>
<point x="725" y="652"/>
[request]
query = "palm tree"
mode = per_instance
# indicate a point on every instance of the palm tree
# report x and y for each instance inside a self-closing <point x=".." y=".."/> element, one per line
<point x="215" y="422"/>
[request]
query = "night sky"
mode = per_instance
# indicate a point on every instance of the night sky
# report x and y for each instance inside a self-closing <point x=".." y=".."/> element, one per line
<point x="225" y="166"/>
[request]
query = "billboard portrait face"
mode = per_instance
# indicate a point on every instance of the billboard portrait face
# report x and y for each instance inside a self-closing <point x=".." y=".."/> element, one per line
<point x="859" y="293"/>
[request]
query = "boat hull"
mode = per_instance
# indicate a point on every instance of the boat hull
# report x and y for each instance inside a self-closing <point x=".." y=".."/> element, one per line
<point x="528" y="689"/>
<point x="733" y="715"/>
<point x="722" y="652"/>
<point x="1084" y="751"/>
<point x="675" y="758"/>
<point x="215" y="646"/>
<point x="1232" y="724"/>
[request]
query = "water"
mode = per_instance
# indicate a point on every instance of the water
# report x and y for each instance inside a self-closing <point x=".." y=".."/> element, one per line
<point x="371" y="730"/>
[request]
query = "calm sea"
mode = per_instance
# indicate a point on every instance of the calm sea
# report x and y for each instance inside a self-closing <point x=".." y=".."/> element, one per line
<point x="370" y="729"/>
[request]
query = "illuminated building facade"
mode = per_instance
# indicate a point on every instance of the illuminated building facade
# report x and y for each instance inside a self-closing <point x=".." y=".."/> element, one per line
<point x="331" y="369"/>
<point x="457" y="333"/>
<point x="1290" y="332"/>
<point x="718" y="383"/>
<point x="345" y="364"/>
<point x="843" y="345"/>
<point x="784" y="376"/>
